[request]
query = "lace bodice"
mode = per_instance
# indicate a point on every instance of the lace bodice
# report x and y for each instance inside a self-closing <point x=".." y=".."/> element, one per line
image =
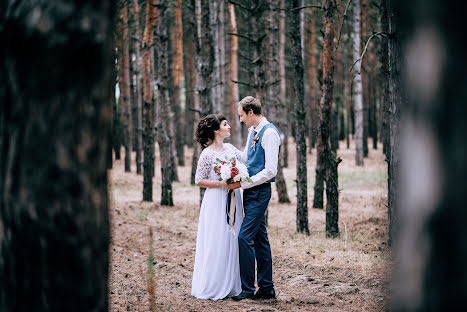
<point x="205" y="169"/>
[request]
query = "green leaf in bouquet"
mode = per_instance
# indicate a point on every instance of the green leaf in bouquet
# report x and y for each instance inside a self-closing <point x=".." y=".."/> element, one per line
<point x="249" y="180"/>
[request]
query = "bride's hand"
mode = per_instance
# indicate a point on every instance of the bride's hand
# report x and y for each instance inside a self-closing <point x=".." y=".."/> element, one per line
<point x="223" y="184"/>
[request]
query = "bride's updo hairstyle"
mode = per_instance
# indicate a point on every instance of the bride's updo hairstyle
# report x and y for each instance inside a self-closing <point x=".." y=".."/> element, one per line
<point x="206" y="128"/>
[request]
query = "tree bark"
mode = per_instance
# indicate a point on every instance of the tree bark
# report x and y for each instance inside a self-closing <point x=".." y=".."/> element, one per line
<point x="364" y="73"/>
<point x="148" y="99"/>
<point x="137" y="130"/>
<point x="234" y="96"/>
<point x="124" y="82"/>
<point x="163" y="109"/>
<point x="177" y="74"/>
<point x="312" y="82"/>
<point x="385" y="80"/>
<point x="330" y="161"/>
<point x="357" y="86"/>
<point x="205" y="59"/>
<point x="54" y="135"/>
<point x="283" y="85"/>
<point x="302" y="197"/>
<point x="189" y="65"/>
<point x="274" y="92"/>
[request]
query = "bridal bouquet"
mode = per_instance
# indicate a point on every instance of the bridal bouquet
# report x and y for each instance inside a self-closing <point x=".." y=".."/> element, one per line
<point x="231" y="170"/>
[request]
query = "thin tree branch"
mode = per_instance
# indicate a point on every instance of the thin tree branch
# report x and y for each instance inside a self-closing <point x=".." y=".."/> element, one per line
<point x="382" y="34"/>
<point x="342" y="24"/>
<point x="239" y="4"/>
<point x="242" y="36"/>
<point x="303" y="7"/>
<point x="244" y="83"/>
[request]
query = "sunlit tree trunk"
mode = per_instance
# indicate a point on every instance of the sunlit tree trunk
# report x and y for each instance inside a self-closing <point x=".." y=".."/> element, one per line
<point x="300" y="113"/>
<point x="357" y="85"/>
<point x="177" y="74"/>
<point x="234" y="96"/>
<point x="54" y="135"/>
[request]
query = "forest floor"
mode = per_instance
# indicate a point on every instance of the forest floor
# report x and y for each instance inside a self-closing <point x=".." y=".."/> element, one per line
<point x="310" y="273"/>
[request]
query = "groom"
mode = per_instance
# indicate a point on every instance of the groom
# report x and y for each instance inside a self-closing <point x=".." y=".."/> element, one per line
<point x="262" y="152"/>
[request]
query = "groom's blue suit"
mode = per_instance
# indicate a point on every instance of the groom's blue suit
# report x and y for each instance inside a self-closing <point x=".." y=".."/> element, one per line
<point x="253" y="237"/>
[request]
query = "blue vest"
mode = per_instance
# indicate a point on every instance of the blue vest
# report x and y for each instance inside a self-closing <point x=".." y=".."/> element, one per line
<point x="256" y="159"/>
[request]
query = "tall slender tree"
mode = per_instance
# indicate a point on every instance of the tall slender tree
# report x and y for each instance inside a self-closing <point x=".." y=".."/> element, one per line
<point x="148" y="99"/>
<point x="233" y="64"/>
<point x="189" y="67"/>
<point x="385" y="80"/>
<point x="163" y="109"/>
<point x="325" y="107"/>
<point x="138" y="125"/>
<point x="357" y="85"/>
<point x="54" y="134"/>
<point x="283" y="85"/>
<point x="177" y="75"/>
<point x="124" y="81"/>
<point x="312" y="81"/>
<point x="274" y="91"/>
<point x="300" y="113"/>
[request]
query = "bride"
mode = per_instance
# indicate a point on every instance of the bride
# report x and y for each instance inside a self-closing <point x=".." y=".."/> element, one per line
<point x="216" y="272"/>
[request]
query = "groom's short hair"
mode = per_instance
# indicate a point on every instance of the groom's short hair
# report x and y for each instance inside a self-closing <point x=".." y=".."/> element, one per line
<point x="251" y="103"/>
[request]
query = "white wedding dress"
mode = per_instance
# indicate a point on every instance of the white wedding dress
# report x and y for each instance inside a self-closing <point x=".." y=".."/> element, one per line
<point x="216" y="272"/>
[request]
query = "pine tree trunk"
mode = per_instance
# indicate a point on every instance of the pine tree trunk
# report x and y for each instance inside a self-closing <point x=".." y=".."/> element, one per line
<point x="283" y="87"/>
<point x="364" y="74"/>
<point x="163" y="109"/>
<point x="137" y="130"/>
<point x="177" y="75"/>
<point x="385" y="79"/>
<point x="312" y="82"/>
<point x="124" y="82"/>
<point x="274" y="92"/>
<point x="205" y="59"/>
<point x="357" y="86"/>
<point x="332" y="186"/>
<point x="116" y="123"/>
<point x="54" y="135"/>
<point x="234" y="96"/>
<point x="148" y="99"/>
<point x="189" y="65"/>
<point x="258" y="55"/>
<point x="302" y="197"/>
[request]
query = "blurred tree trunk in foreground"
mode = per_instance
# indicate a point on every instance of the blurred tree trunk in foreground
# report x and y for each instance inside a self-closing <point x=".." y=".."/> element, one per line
<point x="431" y="243"/>
<point x="54" y="134"/>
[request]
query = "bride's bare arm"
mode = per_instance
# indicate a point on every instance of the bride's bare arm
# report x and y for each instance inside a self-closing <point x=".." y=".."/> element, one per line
<point x="211" y="183"/>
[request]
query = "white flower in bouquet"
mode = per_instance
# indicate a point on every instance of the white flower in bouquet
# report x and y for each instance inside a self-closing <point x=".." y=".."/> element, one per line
<point x="225" y="171"/>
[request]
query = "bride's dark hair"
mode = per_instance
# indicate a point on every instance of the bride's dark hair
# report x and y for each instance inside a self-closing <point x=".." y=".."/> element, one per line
<point x="206" y="128"/>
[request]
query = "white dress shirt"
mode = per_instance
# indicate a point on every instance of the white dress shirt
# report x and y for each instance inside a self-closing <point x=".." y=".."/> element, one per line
<point x="270" y="143"/>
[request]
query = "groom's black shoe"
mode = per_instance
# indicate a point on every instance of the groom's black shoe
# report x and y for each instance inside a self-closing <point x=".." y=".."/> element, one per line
<point x="243" y="295"/>
<point x="267" y="294"/>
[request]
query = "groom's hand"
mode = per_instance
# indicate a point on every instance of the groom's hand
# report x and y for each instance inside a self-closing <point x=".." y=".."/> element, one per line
<point x="233" y="186"/>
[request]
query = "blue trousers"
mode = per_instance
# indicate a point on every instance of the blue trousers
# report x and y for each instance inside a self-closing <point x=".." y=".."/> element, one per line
<point x="253" y="241"/>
